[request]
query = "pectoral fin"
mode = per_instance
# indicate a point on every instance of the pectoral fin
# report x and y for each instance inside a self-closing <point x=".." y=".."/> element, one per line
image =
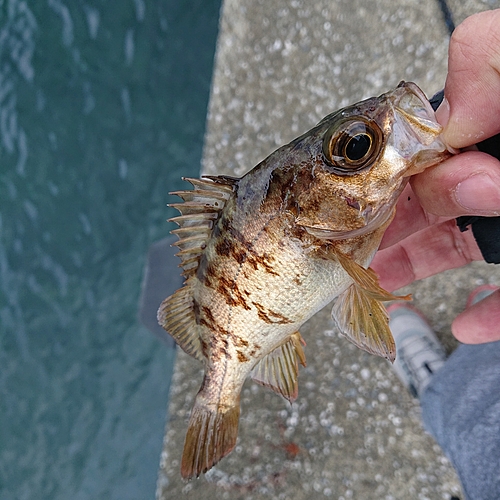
<point x="367" y="279"/>
<point x="279" y="370"/>
<point x="359" y="312"/>
<point x="364" y="321"/>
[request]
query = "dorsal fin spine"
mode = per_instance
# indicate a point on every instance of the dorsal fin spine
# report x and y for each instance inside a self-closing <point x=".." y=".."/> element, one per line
<point x="191" y="207"/>
<point x="198" y="194"/>
<point x="199" y="211"/>
<point x="213" y="184"/>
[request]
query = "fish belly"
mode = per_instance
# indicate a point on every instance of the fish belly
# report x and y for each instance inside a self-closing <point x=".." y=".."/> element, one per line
<point x="249" y="308"/>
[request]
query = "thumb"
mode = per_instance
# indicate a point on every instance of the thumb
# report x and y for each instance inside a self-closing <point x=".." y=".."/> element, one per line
<point x="471" y="108"/>
<point x="479" y="323"/>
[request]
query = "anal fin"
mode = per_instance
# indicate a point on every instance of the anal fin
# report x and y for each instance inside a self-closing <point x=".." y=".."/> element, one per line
<point x="364" y="321"/>
<point x="279" y="370"/>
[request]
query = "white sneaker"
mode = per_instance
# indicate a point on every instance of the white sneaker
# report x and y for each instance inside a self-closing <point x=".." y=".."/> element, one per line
<point x="419" y="354"/>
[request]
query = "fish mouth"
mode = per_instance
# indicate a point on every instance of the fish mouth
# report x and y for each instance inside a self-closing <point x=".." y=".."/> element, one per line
<point x="416" y="134"/>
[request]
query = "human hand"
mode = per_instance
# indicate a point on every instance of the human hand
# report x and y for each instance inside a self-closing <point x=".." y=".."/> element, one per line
<point x="423" y="238"/>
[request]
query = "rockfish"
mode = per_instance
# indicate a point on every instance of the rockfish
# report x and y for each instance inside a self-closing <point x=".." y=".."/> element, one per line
<point x="262" y="253"/>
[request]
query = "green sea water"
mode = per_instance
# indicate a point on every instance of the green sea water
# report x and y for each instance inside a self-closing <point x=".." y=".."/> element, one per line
<point x="102" y="109"/>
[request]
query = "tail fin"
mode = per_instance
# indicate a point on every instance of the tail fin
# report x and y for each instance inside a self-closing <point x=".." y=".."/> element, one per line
<point x="211" y="435"/>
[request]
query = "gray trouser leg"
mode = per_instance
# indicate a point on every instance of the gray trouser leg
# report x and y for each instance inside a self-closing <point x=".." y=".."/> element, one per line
<point x="461" y="409"/>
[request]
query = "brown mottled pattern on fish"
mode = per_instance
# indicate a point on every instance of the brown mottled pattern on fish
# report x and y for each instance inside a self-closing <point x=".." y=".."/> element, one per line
<point x="263" y="253"/>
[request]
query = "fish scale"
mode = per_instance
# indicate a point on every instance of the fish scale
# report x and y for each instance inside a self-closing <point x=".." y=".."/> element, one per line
<point x="263" y="253"/>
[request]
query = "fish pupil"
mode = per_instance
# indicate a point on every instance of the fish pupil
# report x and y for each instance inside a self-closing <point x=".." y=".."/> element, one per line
<point x="357" y="147"/>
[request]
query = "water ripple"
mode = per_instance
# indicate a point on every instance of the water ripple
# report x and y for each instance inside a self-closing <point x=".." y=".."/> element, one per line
<point x="63" y="12"/>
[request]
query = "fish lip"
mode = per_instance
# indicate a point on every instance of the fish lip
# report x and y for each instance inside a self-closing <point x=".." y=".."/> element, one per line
<point x="420" y="123"/>
<point x="418" y="92"/>
<point x="405" y="89"/>
<point x="415" y="133"/>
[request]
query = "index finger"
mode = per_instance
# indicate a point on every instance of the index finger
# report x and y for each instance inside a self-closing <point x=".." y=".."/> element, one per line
<point x="430" y="251"/>
<point x="471" y="109"/>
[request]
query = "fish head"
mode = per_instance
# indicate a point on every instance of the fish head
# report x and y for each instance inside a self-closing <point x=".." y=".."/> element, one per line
<point x="362" y="158"/>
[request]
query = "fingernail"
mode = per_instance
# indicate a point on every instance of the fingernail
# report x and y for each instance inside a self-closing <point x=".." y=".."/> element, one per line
<point x="443" y="113"/>
<point x="479" y="194"/>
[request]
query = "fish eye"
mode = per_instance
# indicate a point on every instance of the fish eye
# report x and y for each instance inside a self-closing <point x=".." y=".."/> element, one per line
<point x="352" y="145"/>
